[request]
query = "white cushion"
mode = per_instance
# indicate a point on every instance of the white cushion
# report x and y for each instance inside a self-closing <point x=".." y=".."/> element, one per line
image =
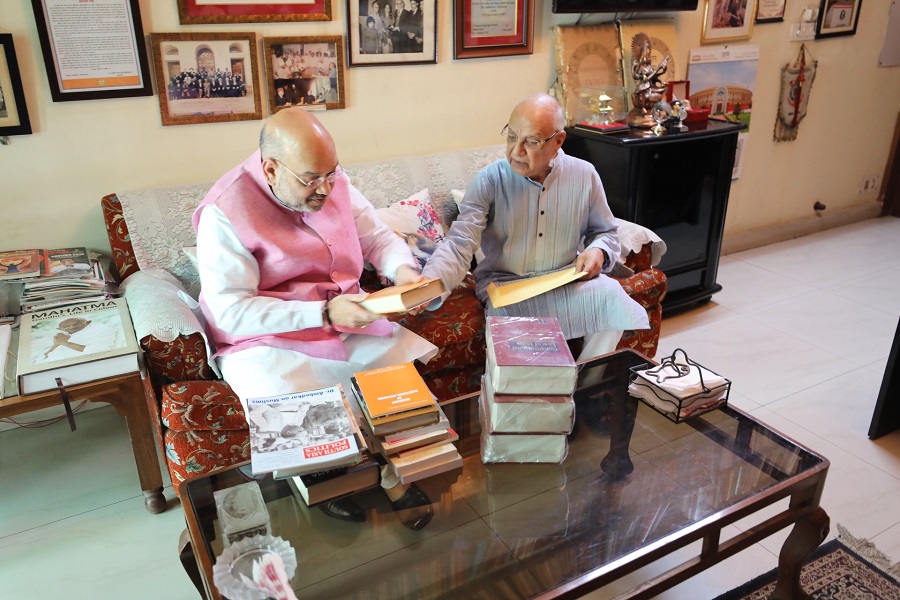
<point x="414" y="220"/>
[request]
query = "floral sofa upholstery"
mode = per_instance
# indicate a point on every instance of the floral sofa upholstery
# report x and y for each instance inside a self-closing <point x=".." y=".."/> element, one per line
<point x="198" y="419"/>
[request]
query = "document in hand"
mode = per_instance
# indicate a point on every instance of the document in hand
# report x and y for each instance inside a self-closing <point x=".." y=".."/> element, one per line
<point x="505" y="294"/>
<point x="401" y="298"/>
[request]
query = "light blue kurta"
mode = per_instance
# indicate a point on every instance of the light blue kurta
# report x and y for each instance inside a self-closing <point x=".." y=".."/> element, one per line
<point x="525" y="229"/>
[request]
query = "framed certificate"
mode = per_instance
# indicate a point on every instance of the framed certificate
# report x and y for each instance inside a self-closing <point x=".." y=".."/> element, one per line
<point x="202" y="12"/>
<point x="770" y="11"/>
<point x="93" y="50"/>
<point x="493" y="28"/>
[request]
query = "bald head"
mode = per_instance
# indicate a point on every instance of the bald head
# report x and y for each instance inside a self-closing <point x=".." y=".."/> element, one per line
<point x="541" y="110"/>
<point x="293" y="134"/>
<point x="535" y="133"/>
<point x="296" y="148"/>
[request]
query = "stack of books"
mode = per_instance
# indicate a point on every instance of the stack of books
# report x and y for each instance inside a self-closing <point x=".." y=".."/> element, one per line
<point x="404" y="422"/>
<point x="527" y="407"/>
<point x="66" y="276"/>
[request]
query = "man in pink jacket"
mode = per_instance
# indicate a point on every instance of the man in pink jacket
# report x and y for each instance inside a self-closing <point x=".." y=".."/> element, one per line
<point x="281" y="243"/>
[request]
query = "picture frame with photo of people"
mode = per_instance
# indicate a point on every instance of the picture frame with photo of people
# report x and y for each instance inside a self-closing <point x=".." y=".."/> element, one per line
<point x="391" y="32"/>
<point x="305" y="71"/>
<point x="206" y="77"/>
<point x="13" y="112"/>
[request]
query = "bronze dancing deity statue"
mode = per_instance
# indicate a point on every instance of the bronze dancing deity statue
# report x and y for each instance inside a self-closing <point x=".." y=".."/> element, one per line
<point x="649" y="88"/>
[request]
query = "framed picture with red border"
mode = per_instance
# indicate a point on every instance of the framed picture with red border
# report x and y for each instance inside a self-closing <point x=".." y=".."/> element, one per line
<point x="485" y="28"/>
<point x="202" y="12"/>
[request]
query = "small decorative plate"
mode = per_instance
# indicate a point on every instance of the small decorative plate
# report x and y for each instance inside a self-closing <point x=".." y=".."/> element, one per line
<point x="233" y="571"/>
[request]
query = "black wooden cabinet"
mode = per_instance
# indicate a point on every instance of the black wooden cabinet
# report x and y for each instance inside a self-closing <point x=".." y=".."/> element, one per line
<point x="676" y="184"/>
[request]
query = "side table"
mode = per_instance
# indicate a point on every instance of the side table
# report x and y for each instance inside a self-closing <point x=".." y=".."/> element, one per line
<point x="126" y="394"/>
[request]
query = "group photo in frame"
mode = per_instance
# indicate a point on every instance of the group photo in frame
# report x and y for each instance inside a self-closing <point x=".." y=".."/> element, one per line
<point x="391" y="32"/>
<point x="209" y="12"/>
<point x="93" y="50"/>
<point x="485" y="28"/>
<point x="13" y="112"/>
<point x="727" y="21"/>
<point x="206" y="77"/>
<point x="305" y="71"/>
<point x="837" y="17"/>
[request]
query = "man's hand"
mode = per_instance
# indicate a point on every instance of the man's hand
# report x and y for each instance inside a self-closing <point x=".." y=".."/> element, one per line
<point x="344" y="310"/>
<point x="591" y="262"/>
<point x="407" y="274"/>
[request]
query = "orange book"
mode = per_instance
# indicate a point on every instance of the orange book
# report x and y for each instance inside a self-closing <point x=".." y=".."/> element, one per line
<point x="393" y="389"/>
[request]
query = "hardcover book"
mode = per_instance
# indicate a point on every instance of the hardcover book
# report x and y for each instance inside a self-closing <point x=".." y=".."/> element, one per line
<point x="413" y="442"/>
<point x="519" y="447"/>
<point x="529" y="356"/>
<point x="75" y="344"/>
<point x="442" y="423"/>
<point x="293" y="434"/>
<point x="400" y="298"/>
<point x="528" y="413"/>
<point x="20" y="264"/>
<point x="410" y="462"/>
<point x="394" y="389"/>
<point x="322" y="486"/>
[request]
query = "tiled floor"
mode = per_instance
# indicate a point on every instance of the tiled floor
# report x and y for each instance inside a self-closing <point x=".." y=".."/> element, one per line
<point x="803" y="328"/>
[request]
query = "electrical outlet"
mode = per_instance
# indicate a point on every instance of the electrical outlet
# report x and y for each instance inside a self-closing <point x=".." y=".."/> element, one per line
<point x="803" y="32"/>
<point x="869" y="185"/>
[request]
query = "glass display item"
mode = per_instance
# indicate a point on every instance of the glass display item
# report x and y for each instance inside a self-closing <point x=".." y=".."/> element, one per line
<point x="601" y="108"/>
<point x="661" y="112"/>
<point x="679" y="112"/>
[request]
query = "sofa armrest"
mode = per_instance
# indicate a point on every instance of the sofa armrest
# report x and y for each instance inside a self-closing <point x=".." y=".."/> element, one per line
<point x="124" y="263"/>
<point x="170" y="332"/>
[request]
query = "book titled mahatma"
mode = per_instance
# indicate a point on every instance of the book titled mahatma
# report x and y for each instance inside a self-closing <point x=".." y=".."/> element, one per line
<point x="529" y="356"/>
<point x="75" y="344"/>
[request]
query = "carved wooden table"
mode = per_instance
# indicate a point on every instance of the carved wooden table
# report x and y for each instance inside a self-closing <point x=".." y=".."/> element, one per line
<point x="126" y="394"/>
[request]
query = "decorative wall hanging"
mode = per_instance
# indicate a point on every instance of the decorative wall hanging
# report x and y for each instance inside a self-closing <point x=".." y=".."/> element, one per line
<point x="796" y="84"/>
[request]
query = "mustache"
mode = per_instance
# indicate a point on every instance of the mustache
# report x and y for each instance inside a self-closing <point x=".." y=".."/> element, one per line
<point x="321" y="197"/>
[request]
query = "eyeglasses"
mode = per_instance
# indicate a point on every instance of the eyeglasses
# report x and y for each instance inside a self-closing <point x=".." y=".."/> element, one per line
<point x="314" y="183"/>
<point x="530" y="143"/>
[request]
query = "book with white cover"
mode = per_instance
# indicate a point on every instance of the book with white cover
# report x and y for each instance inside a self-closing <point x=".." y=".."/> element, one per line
<point x="75" y="344"/>
<point x="519" y="447"/>
<point x="528" y="413"/>
<point x="298" y="433"/>
<point x="413" y="460"/>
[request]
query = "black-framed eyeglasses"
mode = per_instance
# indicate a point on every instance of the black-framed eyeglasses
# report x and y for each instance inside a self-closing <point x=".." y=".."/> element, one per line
<point x="314" y="183"/>
<point x="530" y="143"/>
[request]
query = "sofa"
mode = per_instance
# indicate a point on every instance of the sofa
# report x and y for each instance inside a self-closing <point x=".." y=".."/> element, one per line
<point x="199" y="423"/>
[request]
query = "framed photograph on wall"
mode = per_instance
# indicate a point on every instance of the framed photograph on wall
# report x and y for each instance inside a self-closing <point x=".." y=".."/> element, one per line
<point x="204" y="12"/>
<point x="206" y="77"/>
<point x="305" y="71"/>
<point x="727" y="21"/>
<point x="13" y="112"/>
<point x="93" y="50"/>
<point x="493" y="28"/>
<point x="770" y="11"/>
<point x="837" y="17"/>
<point x="391" y="32"/>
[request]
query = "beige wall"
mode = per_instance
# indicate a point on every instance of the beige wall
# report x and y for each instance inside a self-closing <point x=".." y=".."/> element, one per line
<point x="51" y="182"/>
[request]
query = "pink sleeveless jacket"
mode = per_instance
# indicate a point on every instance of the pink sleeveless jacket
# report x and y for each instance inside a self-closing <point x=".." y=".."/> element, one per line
<point x="301" y="256"/>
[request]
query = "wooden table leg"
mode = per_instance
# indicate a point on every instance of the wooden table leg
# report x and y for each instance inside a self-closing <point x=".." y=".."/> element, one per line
<point x="805" y="537"/>
<point x="130" y="403"/>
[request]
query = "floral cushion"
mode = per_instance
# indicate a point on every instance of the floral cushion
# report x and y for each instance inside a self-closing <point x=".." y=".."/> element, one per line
<point x="414" y="220"/>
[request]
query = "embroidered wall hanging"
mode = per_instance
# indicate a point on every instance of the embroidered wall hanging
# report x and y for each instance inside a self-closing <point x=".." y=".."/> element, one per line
<point x="796" y="84"/>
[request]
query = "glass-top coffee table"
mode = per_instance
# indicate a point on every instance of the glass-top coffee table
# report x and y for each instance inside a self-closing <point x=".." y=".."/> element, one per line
<point x="634" y="488"/>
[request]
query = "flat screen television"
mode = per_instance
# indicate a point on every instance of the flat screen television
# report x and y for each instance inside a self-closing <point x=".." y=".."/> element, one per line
<point x="613" y="6"/>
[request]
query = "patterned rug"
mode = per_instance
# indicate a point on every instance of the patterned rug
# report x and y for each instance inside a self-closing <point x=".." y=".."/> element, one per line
<point x="847" y="568"/>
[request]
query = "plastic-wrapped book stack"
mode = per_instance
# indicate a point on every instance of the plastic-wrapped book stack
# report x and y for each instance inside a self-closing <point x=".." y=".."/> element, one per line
<point x="527" y="409"/>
